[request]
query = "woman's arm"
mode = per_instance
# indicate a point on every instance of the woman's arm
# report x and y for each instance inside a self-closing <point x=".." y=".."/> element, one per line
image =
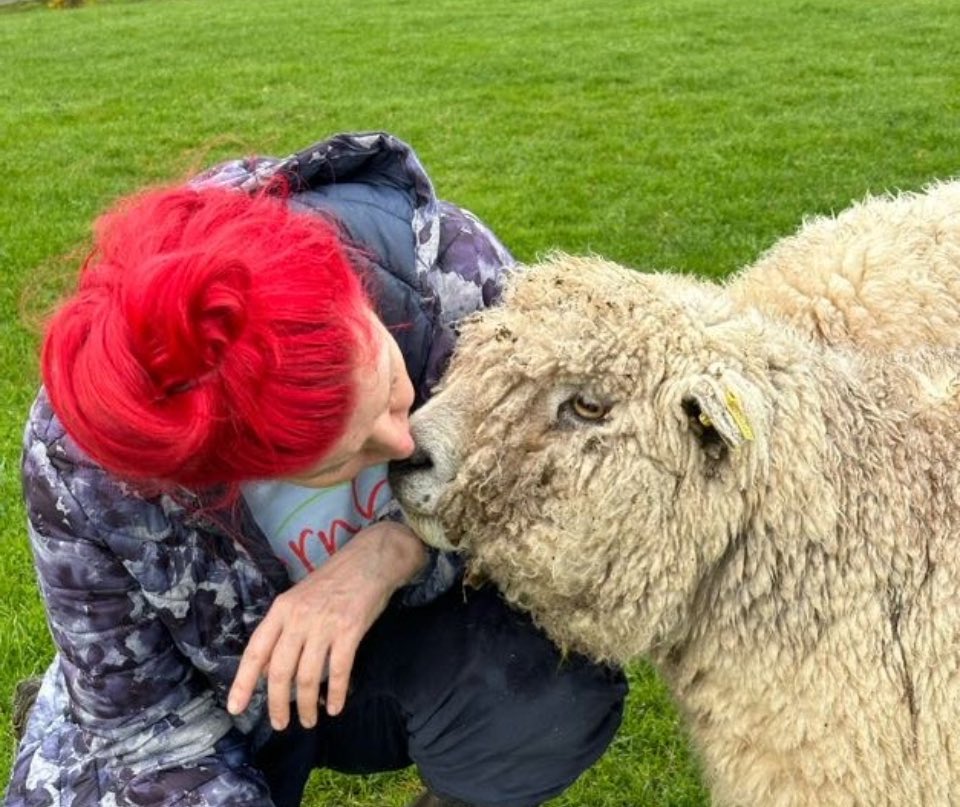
<point x="312" y="630"/>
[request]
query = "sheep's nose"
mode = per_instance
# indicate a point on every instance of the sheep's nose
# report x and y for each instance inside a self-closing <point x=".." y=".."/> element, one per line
<point x="419" y="460"/>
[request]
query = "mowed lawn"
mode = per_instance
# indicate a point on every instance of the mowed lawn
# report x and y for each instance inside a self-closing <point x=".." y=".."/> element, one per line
<point x="677" y="134"/>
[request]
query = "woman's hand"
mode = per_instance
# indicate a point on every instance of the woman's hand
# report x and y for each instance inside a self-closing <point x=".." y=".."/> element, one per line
<point x="316" y="626"/>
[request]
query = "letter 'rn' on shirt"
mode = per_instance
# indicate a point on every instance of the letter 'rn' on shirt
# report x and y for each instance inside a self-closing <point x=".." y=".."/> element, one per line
<point x="305" y="526"/>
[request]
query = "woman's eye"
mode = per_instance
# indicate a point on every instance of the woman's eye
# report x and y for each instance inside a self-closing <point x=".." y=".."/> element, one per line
<point x="585" y="409"/>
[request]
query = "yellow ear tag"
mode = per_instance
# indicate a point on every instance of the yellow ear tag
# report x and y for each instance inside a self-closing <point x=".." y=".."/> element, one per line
<point x="735" y="409"/>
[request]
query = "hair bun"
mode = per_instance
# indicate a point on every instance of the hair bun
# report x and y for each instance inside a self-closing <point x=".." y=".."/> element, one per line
<point x="184" y="315"/>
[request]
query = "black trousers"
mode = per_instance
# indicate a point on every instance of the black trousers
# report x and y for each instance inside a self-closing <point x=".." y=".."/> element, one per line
<point x="472" y="693"/>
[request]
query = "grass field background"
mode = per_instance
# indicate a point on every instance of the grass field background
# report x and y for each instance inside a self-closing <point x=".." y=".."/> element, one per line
<point x="685" y="134"/>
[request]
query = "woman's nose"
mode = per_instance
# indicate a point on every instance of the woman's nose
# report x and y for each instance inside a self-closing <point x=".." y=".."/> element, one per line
<point x="393" y="435"/>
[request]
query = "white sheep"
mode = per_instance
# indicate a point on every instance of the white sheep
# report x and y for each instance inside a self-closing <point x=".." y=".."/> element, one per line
<point x="756" y="486"/>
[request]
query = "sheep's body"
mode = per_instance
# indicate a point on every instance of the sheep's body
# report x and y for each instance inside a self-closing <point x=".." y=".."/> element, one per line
<point x="769" y="513"/>
<point x="883" y="274"/>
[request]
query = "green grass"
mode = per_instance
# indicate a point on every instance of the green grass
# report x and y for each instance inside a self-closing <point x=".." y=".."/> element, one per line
<point x="682" y="134"/>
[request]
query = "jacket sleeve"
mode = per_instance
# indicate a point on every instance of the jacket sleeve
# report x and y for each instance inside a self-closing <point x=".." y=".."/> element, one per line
<point x="125" y="711"/>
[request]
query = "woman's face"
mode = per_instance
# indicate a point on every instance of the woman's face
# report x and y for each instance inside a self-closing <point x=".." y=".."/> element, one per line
<point x="378" y="429"/>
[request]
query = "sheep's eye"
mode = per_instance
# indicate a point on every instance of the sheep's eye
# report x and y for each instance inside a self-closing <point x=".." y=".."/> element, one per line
<point x="585" y="409"/>
<point x="581" y="411"/>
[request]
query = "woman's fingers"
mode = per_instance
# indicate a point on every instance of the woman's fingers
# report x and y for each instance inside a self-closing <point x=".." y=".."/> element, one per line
<point x="285" y="663"/>
<point x="310" y="674"/>
<point x="342" y="654"/>
<point x="254" y="661"/>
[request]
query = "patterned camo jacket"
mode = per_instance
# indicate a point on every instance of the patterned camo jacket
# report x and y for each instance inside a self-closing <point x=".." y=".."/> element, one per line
<point x="149" y="604"/>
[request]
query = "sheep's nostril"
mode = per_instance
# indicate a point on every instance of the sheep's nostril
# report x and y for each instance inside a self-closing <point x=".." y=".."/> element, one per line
<point x="419" y="460"/>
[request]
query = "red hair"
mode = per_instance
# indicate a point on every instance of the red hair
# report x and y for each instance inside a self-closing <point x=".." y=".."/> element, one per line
<point x="211" y="339"/>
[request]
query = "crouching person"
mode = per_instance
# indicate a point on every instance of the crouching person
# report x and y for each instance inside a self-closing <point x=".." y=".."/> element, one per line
<point x="232" y="595"/>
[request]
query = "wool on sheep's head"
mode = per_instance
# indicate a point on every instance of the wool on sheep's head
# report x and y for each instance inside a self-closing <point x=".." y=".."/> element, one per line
<point x="597" y="443"/>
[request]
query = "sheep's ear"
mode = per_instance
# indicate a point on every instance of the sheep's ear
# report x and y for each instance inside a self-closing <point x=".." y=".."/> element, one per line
<point x="722" y="408"/>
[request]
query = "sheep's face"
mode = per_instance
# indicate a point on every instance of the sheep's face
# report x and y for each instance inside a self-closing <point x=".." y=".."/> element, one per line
<point x="590" y="449"/>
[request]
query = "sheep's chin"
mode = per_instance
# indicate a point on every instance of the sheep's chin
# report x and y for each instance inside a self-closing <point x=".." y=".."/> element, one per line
<point x="430" y="530"/>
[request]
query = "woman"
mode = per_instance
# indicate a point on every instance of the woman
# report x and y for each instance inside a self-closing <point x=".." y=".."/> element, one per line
<point x="233" y="598"/>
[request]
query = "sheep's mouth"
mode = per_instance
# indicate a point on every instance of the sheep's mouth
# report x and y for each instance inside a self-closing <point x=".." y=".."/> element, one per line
<point x="429" y="528"/>
<point x="416" y="488"/>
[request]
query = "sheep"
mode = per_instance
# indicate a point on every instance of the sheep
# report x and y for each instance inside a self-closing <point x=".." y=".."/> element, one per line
<point x="761" y="498"/>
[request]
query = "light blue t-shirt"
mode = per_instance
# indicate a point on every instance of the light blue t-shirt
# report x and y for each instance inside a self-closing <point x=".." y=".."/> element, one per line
<point x="305" y="526"/>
